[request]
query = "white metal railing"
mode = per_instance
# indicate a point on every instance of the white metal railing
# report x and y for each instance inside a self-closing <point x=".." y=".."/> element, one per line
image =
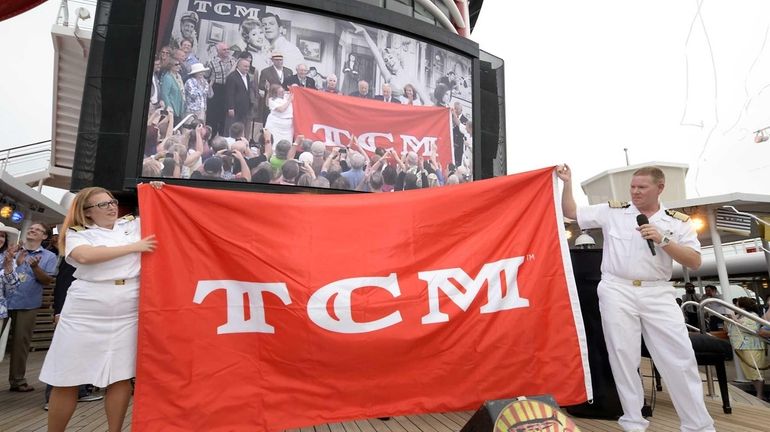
<point x="703" y="308"/>
<point x="739" y="247"/>
<point x="26" y="159"/>
<point x="69" y="10"/>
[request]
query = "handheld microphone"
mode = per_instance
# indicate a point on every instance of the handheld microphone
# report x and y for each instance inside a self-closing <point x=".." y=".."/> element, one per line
<point x="642" y="220"/>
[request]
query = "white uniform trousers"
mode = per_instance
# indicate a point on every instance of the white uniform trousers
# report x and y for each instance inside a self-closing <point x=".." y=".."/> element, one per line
<point x="627" y="313"/>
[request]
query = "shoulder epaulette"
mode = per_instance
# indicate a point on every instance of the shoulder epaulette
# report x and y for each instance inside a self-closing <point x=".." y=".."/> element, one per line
<point x="77" y="228"/>
<point x="618" y="204"/>
<point x="677" y="215"/>
<point x="128" y="218"/>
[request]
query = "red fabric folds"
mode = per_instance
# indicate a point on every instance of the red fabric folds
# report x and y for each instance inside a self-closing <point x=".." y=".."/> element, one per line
<point x="334" y="118"/>
<point x="304" y="348"/>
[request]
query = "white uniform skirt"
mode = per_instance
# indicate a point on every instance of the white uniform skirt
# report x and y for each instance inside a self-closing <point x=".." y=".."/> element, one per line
<point x="280" y="128"/>
<point x="95" y="340"/>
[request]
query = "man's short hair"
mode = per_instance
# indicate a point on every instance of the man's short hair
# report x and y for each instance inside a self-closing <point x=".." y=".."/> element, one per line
<point x="318" y="148"/>
<point x="282" y="149"/>
<point x="656" y="173"/>
<point x="290" y="170"/>
<point x="376" y="181"/>
<point x="270" y="14"/>
<point x="218" y="143"/>
<point x="357" y="160"/>
<point x="236" y="130"/>
<point x="320" y="182"/>
<point x="42" y="225"/>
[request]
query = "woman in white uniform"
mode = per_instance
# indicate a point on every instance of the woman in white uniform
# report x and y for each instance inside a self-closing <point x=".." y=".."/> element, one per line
<point x="95" y="340"/>
<point x="280" y="120"/>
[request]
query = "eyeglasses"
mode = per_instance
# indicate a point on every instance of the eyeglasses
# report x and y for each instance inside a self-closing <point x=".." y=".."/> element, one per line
<point x="103" y="205"/>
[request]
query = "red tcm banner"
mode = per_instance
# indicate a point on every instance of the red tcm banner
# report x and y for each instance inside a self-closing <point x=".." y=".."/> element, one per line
<point x="333" y="118"/>
<point x="262" y="312"/>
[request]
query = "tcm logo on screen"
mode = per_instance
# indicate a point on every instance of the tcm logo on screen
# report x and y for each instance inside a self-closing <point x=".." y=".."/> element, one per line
<point x="367" y="139"/>
<point x="340" y="293"/>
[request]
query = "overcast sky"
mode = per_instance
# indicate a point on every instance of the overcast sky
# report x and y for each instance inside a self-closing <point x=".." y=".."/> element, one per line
<point x="672" y="81"/>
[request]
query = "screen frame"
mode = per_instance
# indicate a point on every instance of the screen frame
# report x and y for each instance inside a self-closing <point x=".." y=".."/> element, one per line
<point x="366" y="14"/>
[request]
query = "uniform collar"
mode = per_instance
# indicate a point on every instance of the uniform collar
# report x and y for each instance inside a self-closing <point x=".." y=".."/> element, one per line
<point x="660" y="214"/>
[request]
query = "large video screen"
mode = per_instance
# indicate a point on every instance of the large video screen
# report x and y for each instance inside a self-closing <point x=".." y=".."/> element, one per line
<point x="246" y="92"/>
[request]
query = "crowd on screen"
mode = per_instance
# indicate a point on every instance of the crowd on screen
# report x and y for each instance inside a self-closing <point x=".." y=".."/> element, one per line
<point x="236" y="115"/>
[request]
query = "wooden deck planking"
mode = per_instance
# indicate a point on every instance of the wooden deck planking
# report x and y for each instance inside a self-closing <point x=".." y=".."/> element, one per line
<point x="22" y="412"/>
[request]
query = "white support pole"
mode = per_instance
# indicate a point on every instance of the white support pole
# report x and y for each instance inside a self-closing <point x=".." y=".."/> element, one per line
<point x="716" y="241"/>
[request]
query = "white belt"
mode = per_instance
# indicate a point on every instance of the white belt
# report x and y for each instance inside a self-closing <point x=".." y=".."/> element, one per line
<point x="635" y="282"/>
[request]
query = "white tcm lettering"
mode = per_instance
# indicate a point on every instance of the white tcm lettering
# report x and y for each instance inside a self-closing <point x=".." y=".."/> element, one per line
<point x="342" y="291"/>
<point x="439" y="280"/>
<point x="236" y="315"/>
<point x="367" y="140"/>
<point x="340" y="294"/>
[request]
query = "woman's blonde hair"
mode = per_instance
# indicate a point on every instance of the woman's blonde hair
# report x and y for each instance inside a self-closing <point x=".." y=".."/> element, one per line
<point x="76" y="215"/>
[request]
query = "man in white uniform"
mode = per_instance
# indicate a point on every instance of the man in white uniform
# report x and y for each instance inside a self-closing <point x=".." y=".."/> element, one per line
<point x="636" y="297"/>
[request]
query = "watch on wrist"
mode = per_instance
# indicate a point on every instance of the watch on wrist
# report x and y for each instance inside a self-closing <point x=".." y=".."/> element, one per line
<point x="664" y="241"/>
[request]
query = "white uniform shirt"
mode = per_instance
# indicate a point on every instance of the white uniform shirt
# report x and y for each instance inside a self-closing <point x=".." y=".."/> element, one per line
<point x="123" y="232"/>
<point x="626" y="254"/>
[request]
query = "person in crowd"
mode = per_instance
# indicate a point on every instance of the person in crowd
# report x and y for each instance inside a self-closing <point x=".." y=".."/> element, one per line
<point x="277" y="73"/>
<point x="410" y="165"/>
<point x="196" y="91"/>
<point x="219" y="68"/>
<point x="318" y="78"/>
<point x="320" y="182"/>
<point x="253" y="41"/>
<point x="280" y="119"/>
<point x="283" y="152"/>
<point x="441" y="96"/>
<point x="691" y="311"/>
<point x="181" y="57"/>
<point x="98" y="323"/>
<point x="289" y="172"/>
<point x="211" y="169"/>
<point x="188" y="29"/>
<point x="237" y="97"/>
<point x="190" y="57"/>
<point x="410" y="96"/>
<point x="355" y="175"/>
<point x="636" y="297"/>
<point x="34" y="267"/>
<point x="362" y="91"/>
<point x="749" y="348"/>
<point x="331" y="84"/>
<point x="350" y="74"/>
<point x="389" y="178"/>
<point x="263" y="173"/>
<point x="458" y="131"/>
<point x="387" y="95"/>
<point x="172" y="88"/>
<point x="9" y="280"/>
<point x="254" y="94"/>
<point x="301" y="79"/>
<point x="155" y="102"/>
<point x="164" y="55"/>
<point x="272" y="25"/>
<point x="463" y="174"/>
<point x="714" y="322"/>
